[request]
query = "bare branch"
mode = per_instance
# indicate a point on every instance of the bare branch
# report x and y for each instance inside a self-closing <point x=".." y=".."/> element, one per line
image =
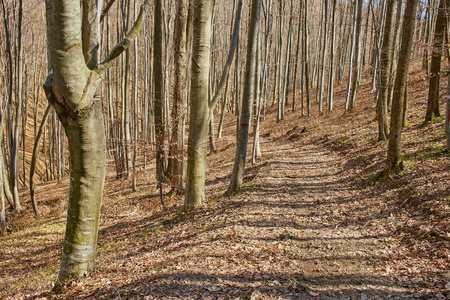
<point x="227" y="67"/>
<point x="106" y="9"/>
<point x="127" y="40"/>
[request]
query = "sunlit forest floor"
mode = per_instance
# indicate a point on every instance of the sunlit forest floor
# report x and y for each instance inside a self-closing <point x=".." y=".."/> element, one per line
<point x="309" y="223"/>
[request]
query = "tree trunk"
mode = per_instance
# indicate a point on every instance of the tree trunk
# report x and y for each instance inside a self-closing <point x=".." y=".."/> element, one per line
<point x="356" y="56"/>
<point x="179" y="105"/>
<point x="199" y="111"/>
<point x="33" y="160"/>
<point x="158" y="83"/>
<point x="385" y="75"/>
<point x="87" y="172"/>
<point x="394" y="158"/>
<point x="435" y="68"/>
<point x="331" y="72"/>
<point x="72" y="91"/>
<point x="249" y="89"/>
<point x="306" y="55"/>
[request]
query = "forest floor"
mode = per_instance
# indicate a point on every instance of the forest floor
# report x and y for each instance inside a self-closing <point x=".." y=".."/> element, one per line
<point x="309" y="223"/>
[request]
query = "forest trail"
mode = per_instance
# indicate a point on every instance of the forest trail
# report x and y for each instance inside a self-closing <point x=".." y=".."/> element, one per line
<point x="308" y="223"/>
<point x="297" y="230"/>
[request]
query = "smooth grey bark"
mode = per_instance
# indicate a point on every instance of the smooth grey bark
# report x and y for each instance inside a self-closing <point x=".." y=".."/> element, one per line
<point x="297" y="54"/>
<point x="14" y="138"/>
<point x="331" y="72"/>
<point x="72" y="91"/>
<point x="324" y="54"/>
<point x="394" y="161"/>
<point x="179" y="98"/>
<point x="232" y="50"/>
<point x="352" y="54"/>
<point x="16" y="203"/>
<point x="33" y="160"/>
<point x="306" y="56"/>
<point x="256" y="152"/>
<point x="385" y="75"/>
<point x="199" y="110"/>
<point x="249" y="89"/>
<point x="280" y="62"/>
<point x="356" y="56"/>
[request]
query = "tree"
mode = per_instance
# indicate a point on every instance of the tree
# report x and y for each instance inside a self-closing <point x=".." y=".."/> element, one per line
<point x="331" y="72"/>
<point x="249" y="90"/>
<point x="158" y="80"/>
<point x="394" y="161"/>
<point x="199" y="110"/>
<point x="435" y="67"/>
<point x="350" y="103"/>
<point x="200" y="105"/>
<point x="385" y="75"/>
<point x="71" y="88"/>
<point x="179" y="98"/>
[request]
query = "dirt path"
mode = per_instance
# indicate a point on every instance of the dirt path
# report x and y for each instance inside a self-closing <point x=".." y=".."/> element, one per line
<point x="326" y="250"/>
<point x="297" y="230"/>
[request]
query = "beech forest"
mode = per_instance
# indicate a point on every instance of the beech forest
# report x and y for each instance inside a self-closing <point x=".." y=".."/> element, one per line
<point x="203" y="149"/>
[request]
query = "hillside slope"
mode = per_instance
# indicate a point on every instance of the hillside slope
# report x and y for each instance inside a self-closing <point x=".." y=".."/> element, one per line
<point x="310" y="221"/>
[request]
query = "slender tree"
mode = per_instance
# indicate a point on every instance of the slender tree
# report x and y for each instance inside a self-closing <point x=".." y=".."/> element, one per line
<point x="248" y="96"/>
<point x="385" y="75"/>
<point x="435" y="67"/>
<point x="394" y="161"/>
<point x="179" y="98"/>
<point x="331" y="72"/>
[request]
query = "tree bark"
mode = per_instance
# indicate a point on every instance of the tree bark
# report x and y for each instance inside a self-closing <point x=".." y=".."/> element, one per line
<point x="385" y="75"/>
<point x="72" y="91"/>
<point x="199" y="111"/>
<point x="179" y="105"/>
<point x="394" y="158"/>
<point x="435" y="67"/>
<point x="249" y="89"/>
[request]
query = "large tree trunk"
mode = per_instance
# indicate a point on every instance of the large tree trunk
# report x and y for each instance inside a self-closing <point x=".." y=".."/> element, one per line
<point x="72" y="90"/>
<point x="87" y="172"/>
<point x="249" y="89"/>
<point x="394" y="158"/>
<point x="199" y="110"/>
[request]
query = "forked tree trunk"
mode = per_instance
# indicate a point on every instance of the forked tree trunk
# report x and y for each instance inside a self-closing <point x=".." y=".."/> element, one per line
<point x="72" y="90"/>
